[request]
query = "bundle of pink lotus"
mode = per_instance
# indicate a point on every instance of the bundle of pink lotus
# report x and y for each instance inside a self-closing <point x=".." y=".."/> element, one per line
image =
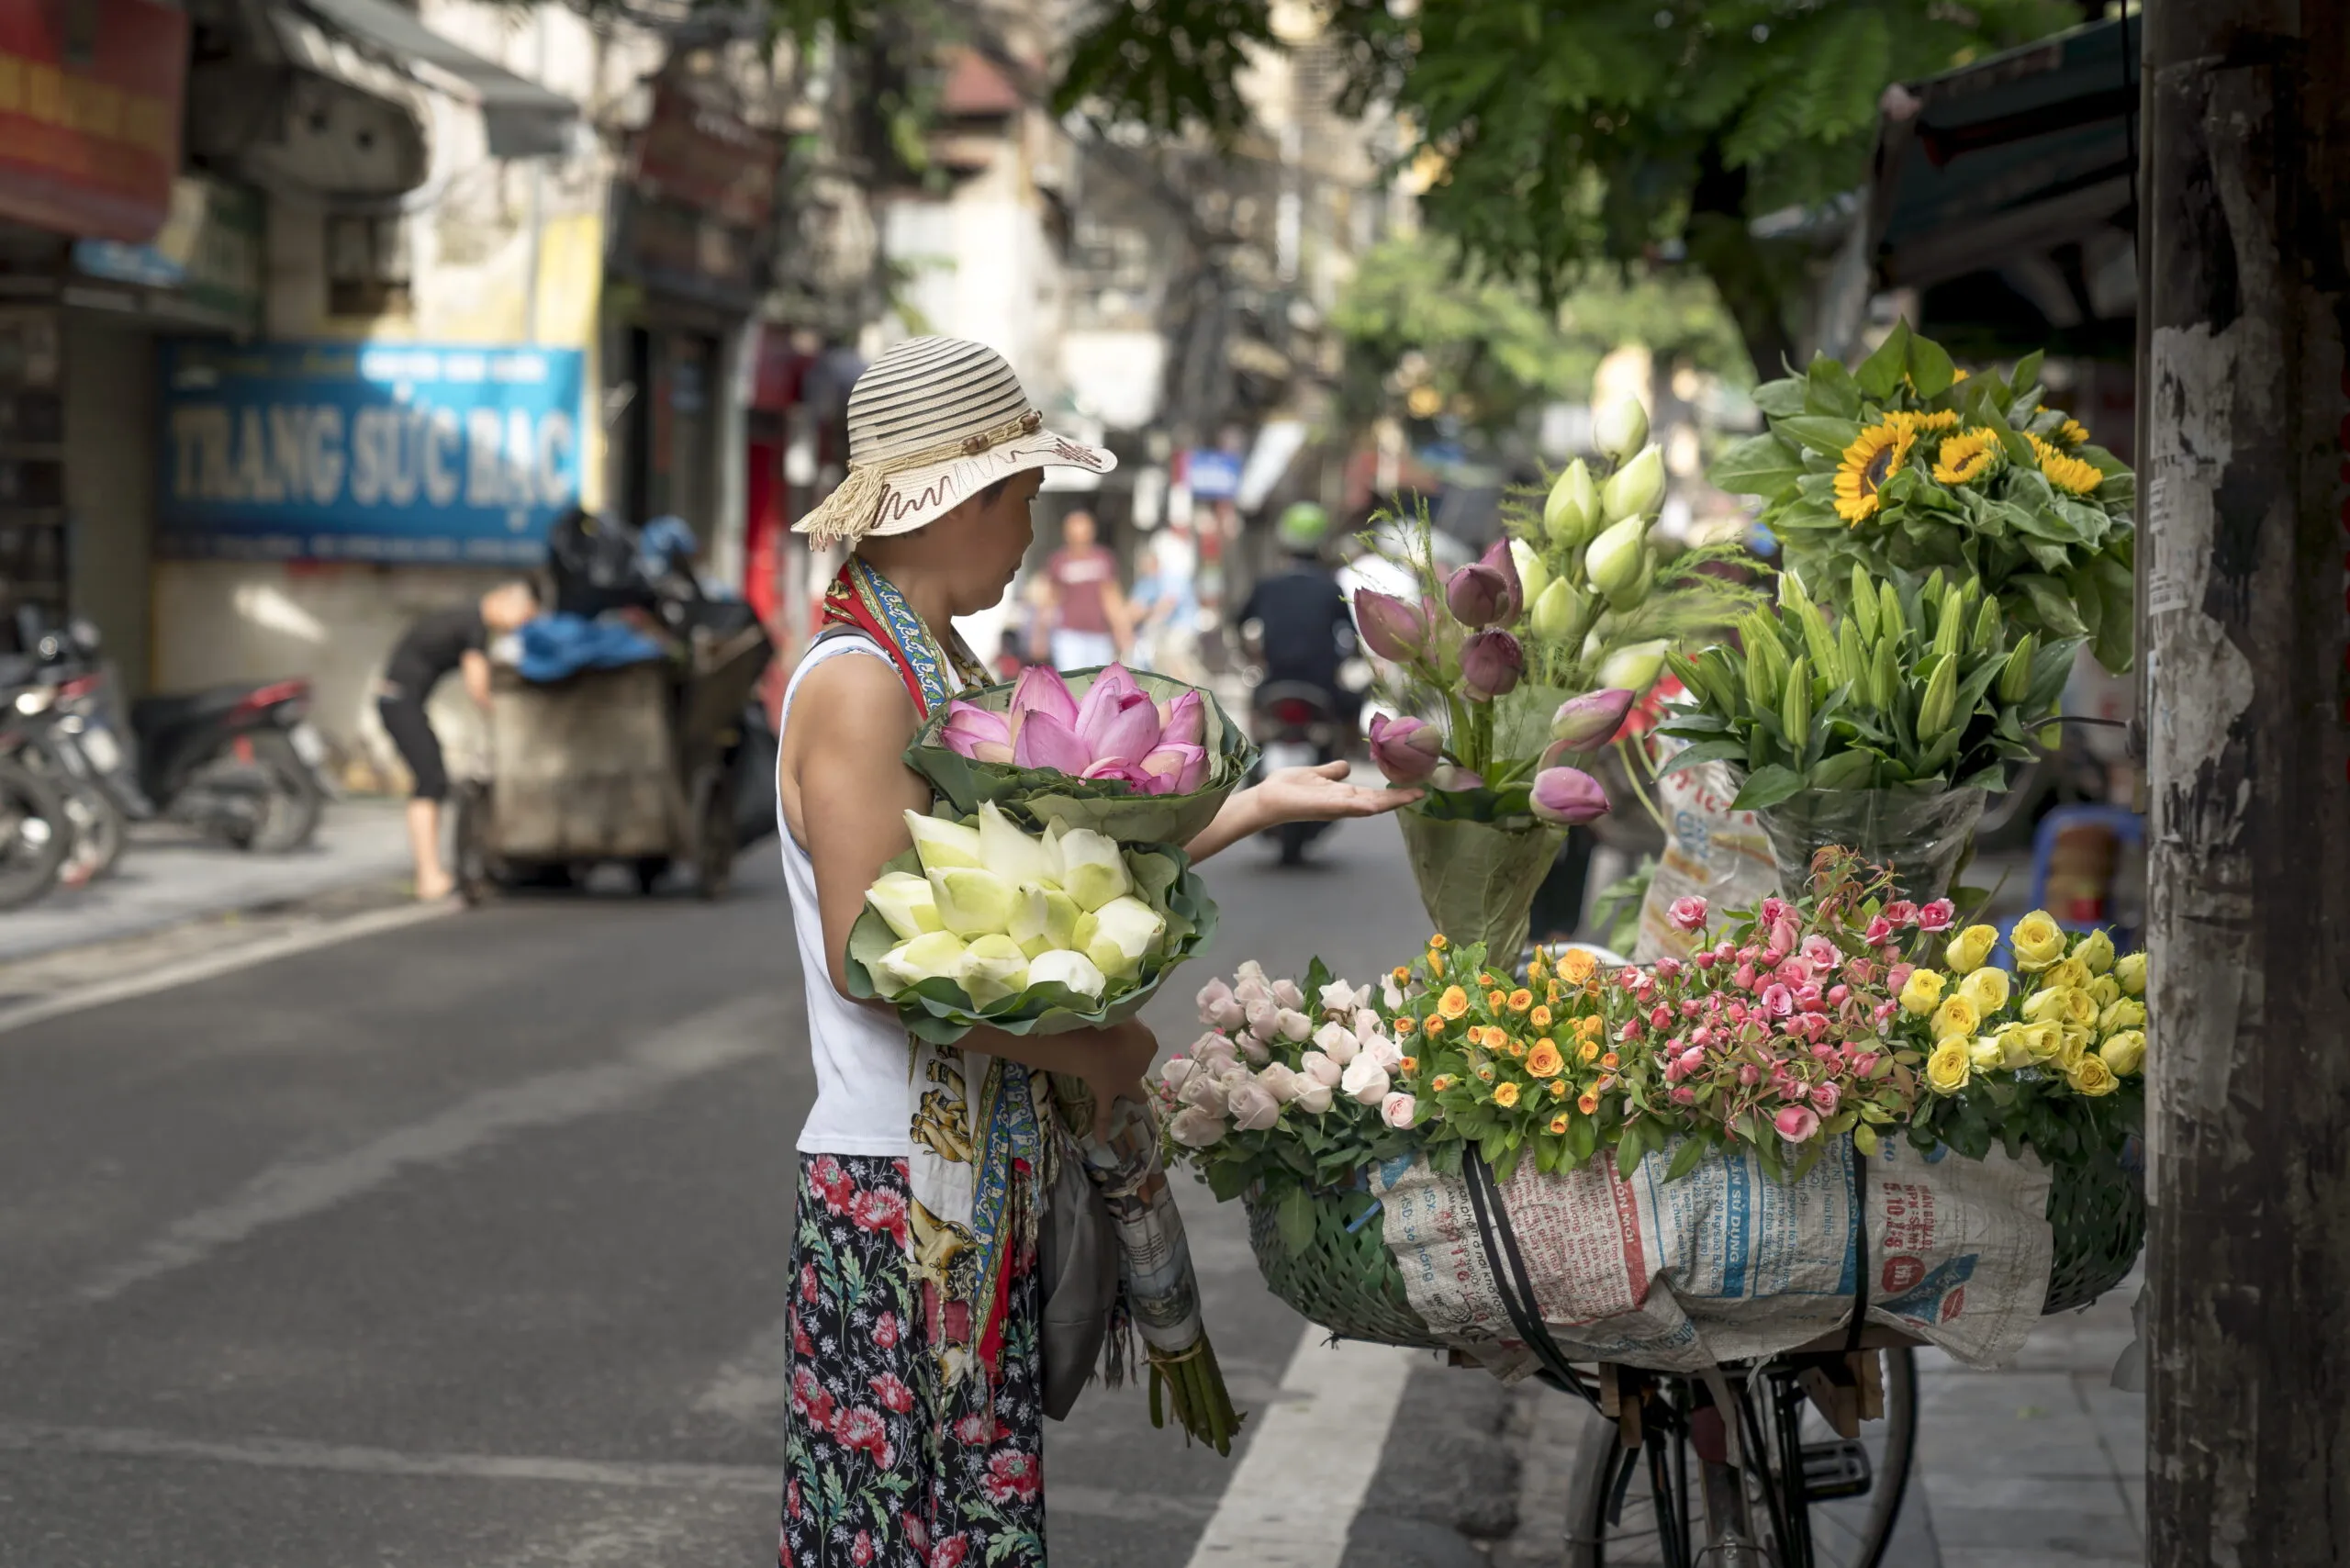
<point x="1116" y="730"/>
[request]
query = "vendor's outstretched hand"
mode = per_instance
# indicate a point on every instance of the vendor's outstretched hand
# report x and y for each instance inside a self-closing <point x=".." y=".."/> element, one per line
<point x="1322" y="794"/>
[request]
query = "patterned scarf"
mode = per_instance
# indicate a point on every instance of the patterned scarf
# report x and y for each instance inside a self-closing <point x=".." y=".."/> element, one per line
<point x="978" y="1158"/>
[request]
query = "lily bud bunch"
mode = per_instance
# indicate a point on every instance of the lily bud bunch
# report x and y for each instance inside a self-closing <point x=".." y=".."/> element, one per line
<point x="1913" y="682"/>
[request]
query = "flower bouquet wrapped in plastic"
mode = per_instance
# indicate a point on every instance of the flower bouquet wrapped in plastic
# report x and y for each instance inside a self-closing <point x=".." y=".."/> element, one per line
<point x="1139" y="758"/>
<point x="984" y="923"/>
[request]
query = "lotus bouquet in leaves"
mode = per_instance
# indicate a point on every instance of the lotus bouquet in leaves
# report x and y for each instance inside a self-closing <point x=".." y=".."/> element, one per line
<point x="1138" y="756"/>
<point x="984" y="923"/>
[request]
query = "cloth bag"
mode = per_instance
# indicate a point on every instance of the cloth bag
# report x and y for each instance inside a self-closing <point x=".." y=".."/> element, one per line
<point x="1078" y="1257"/>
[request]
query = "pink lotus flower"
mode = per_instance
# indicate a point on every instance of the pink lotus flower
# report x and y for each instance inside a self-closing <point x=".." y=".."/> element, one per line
<point x="1407" y="750"/>
<point x="976" y="732"/>
<point x="1591" y="720"/>
<point x="1453" y="776"/>
<point x="1688" y="914"/>
<point x="1937" y="915"/>
<point x="1118" y="732"/>
<point x="1491" y="664"/>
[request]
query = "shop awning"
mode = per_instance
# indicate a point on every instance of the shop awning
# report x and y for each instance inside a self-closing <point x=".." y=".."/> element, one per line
<point x="523" y="120"/>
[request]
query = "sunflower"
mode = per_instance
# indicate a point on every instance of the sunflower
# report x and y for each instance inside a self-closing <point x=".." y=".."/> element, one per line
<point x="1918" y="423"/>
<point x="1877" y="456"/>
<point x="2067" y="473"/>
<point x="1967" y="456"/>
<point x="2069" y="433"/>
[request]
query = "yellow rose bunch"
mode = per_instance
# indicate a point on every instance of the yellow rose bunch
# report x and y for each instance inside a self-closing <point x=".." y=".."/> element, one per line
<point x="2038" y="941"/>
<point x="1956" y="1018"/>
<point x="1950" y="1066"/>
<point x="2090" y="1076"/>
<point x="1986" y="991"/>
<point x="1923" y="992"/>
<point x="2124" y="1052"/>
<point x="1971" y="946"/>
<point x="2132" y="972"/>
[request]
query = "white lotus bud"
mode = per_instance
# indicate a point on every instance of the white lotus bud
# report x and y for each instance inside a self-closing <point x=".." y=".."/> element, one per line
<point x="1042" y="918"/>
<point x="1533" y="576"/>
<point x="1561" y="615"/>
<point x="973" y="902"/>
<point x="934" y="955"/>
<point x="1075" y="970"/>
<point x="1014" y="855"/>
<point x="1613" y="564"/>
<point x="1122" y="933"/>
<point x="903" y="900"/>
<point x="993" y="967"/>
<point x="1634" y="666"/>
<point x="1620" y="429"/>
<point x="1571" y="510"/>
<point x="1637" y="489"/>
<point x="1092" y="871"/>
<point x="943" y="845"/>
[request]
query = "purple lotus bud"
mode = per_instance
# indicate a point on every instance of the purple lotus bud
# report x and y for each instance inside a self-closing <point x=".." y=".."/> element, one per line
<point x="1477" y="595"/>
<point x="1391" y="628"/>
<point x="1591" y="720"/>
<point x="1453" y="776"/>
<point x="1406" y="750"/>
<point x="1568" y="796"/>
<point x="1499" y="556"/>
<point x="1490" y="663"/>
<point x="976" y="732"/>
<point x="1125" y="729"/>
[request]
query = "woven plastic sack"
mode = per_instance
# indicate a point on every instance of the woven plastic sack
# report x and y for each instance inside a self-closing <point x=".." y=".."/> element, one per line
<point x="1710" y="852"/>
<point x="1920" y="835"/>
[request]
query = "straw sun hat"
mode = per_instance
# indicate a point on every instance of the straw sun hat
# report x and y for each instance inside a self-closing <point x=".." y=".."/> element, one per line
<point x="930" y="423"/>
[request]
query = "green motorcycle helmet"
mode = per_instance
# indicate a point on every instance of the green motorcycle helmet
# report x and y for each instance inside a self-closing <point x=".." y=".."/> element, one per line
<point x="1301" y="528"/>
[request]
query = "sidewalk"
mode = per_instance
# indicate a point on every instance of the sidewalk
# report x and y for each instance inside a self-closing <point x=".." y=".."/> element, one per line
<point x="169" y="876"/>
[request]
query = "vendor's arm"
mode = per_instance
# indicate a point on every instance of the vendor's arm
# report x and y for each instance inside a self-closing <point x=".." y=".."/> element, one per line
<point x="474" y="668"/>
<point x="1293" y="795"/>
<point x="846" y="794"/>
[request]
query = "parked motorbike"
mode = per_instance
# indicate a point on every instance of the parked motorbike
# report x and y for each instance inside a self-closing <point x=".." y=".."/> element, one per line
<point x="36" y="835"/>
<point x="239" y="763"/>
<point x="1295" y="725"/>
<point x="69" y="752"/>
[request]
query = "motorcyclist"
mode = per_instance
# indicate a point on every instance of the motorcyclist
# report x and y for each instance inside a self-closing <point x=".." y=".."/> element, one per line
<point x="1303" y="629"/>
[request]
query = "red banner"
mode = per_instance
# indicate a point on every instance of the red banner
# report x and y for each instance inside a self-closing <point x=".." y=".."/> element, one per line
<point x="90" y="95"/>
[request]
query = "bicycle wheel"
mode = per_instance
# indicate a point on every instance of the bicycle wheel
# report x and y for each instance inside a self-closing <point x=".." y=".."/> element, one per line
<point x="1846" y="1532"/>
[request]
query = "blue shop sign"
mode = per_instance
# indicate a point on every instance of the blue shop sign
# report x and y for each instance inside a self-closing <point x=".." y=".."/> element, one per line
<point x="1213" y="476"/>
<point x="367" y="452"/>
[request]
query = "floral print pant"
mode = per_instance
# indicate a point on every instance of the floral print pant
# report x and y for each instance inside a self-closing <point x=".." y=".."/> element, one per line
<point x="881" y="1464"/>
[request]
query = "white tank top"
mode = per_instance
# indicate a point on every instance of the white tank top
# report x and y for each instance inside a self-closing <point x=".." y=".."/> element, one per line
<point x="862" y="1057"/>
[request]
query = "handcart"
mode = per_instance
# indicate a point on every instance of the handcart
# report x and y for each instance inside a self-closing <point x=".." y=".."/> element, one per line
<point x="636" y="766"/>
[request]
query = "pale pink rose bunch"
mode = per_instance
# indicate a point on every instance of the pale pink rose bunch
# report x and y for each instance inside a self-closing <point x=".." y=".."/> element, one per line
<point x="1270" y="1052"/>
<point x="1118" y="731"/>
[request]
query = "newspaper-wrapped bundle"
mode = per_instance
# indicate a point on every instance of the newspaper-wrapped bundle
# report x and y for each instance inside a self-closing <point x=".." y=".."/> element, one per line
<point x="1724" y="1263"/>
<point x="1712" y="852"/>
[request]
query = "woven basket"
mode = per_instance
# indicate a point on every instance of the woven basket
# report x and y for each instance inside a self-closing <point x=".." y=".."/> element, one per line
<point x="1346" y="1280"/>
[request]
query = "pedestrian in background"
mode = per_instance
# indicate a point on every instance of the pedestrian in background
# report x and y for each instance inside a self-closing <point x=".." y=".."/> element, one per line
<point x="1166" y="612"/>
<point x="456" y="638"/>
<point x="1089" y="615"/>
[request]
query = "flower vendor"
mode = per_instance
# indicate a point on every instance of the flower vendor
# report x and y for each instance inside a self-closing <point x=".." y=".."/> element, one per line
<point x="915" y="1412"/>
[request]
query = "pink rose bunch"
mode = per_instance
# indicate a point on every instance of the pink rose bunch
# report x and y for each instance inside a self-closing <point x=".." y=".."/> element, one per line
<point x="1117" y="731"/>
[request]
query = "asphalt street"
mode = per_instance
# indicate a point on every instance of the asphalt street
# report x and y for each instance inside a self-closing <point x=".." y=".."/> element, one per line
<point x="462" y="1245"/>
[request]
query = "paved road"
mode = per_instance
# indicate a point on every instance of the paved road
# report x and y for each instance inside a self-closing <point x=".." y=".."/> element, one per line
<point x="463" y="1245"/>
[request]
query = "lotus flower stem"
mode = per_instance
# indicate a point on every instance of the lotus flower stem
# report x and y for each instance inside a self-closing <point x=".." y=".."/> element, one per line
<point x="1636" y="762"/>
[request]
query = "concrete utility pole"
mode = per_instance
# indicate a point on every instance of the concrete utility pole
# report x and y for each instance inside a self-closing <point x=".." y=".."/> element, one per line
<point x="2247" y="584"/>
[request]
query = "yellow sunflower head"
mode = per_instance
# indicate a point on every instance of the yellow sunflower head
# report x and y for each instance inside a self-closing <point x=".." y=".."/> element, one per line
<point x="2067" y="473"/>
<point x="1918" y="423"/>
<point x="2069" y="433"/>
<point x="1966" y="456"/>
<point x="1877" y="456"/>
